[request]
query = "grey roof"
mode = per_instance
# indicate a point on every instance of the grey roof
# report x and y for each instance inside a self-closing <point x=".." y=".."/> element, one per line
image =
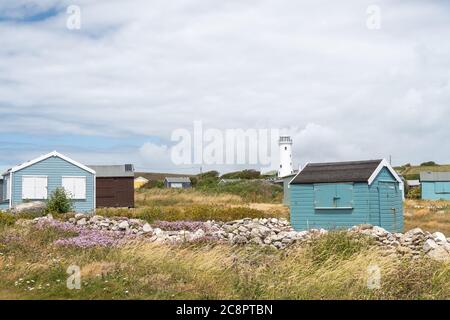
<point x="352" y="171"/>
<point x="178" y="179"/>
<point x="114" y="171"/>
<point x="435" y="176"/>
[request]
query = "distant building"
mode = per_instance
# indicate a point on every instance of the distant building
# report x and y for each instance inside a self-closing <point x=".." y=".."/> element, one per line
<point x="413" y="183"/>
<point x="114" y="186"/>
<point x="343" y="194"/>
<point x="435" y="185"/>
<point x="286" y="167"/>
<point x="139" y="182"/>
<point x="177" y="182"/>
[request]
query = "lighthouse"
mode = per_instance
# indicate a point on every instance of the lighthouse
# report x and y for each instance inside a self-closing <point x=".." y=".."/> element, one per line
<point x="286" y="168"/>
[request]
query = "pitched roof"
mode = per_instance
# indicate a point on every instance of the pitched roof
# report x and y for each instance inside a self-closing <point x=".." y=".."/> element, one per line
<point x="435" y="176"/>
<point x="178" y="179"/>
<point x="116" y="171"/>
<point x="46" y="156"/>
<point x="351" y="171"/>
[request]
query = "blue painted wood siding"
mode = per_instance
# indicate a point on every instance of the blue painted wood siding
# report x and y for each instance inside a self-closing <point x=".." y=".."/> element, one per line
<point x="307" y="213"/>
<point x="55" y="168"/>
<point x="435" y="190"/>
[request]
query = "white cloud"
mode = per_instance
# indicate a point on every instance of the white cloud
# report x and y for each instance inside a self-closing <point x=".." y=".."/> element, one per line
<point x="149" y="67"/>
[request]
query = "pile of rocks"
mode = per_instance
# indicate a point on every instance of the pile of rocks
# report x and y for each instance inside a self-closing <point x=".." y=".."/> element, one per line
<point x="277" y="233"/>
<point x="412" y="243"/>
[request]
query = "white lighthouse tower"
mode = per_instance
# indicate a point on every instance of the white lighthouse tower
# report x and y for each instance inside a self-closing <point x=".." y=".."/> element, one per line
<point x="286" y="168"/>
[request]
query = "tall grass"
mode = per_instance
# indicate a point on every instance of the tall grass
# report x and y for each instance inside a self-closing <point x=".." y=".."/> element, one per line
<point x="334" y="267"/>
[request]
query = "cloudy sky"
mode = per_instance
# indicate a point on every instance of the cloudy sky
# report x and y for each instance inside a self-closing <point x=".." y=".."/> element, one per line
<point x="115" y="90"/>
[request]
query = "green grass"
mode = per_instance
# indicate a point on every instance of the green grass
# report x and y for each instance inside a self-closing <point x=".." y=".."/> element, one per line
<point x="249" y="190"/>
<point x="195" y="212"/>
<point x="335" y="267"/>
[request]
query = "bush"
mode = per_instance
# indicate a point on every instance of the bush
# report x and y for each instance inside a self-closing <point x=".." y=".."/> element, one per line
<point x="428" y="164"/>
<point x="208" y="174"/>
<point x="6" y="219"/>
<point x="244" y="174"/>
<point x="249" y="190"/>
<point x="414" y="193"/>
<point x="152" y="184"/>
<point x="59" y="202"/>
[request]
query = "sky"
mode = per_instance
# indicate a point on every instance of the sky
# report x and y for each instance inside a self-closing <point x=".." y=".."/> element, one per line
<point x="115" y="90"/>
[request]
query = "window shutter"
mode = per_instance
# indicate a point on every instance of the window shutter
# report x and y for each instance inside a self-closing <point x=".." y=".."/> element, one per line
<point x="75" y="187"/>
<point x="28" y="188"/>
<point x="324" y="195"/>
<point x="40" y="188"/>
<point x="344" y="195"/>
<point x="34" y="188"/>
<point x="80" y="188"/>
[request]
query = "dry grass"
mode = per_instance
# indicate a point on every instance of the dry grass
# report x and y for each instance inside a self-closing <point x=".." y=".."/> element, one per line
<point x="172" y="205"/>
<point x="336" y="267"/>
<point x="431" y="216"/>
<point x="149" y="197"/>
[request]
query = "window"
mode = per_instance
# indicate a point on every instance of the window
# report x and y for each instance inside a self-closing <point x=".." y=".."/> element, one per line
<point x="442" y="187"/>
<point x="331" y="196"/>
<point x="75" y="187"/>
<point x="176" y="185"/>
<point x="34" y="188"/>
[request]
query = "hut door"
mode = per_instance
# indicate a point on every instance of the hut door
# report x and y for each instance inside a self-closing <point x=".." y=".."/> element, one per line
<point x="388" y="195"/>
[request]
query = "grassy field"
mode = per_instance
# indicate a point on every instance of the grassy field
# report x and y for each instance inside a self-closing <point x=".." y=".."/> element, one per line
<point x="172" y="205"/>
<point x="431" y="216"/>
<point x="335" y="267"/>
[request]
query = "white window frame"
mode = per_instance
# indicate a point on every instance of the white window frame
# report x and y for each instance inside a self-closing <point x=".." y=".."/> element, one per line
<point x="35" y="198"/>
<point x="75" y="197"/>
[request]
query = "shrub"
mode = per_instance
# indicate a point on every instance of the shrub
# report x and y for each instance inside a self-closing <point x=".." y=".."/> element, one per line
<point x="59" y="202"/>
<point x="428" y="164"/>
<point x="6" y="219"/>
<point x="244" y="174"/>
<point x="414" y="193"/>
<point x="249" y="190"/>
<point x="208" y="174"/>
<point x="152" y="184"/>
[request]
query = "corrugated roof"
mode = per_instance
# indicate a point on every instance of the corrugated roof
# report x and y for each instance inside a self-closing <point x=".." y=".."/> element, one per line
<point x="351" y="171"/>
<point x="178" y="180"/>
<point x="435" y="176"/>
<point x="114" y="171"/>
